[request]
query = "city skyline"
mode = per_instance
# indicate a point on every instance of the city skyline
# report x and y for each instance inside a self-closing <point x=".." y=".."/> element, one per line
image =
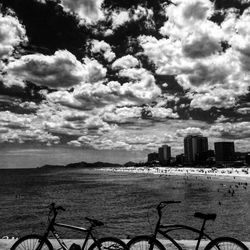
<point x="196" y="154"/>
<point x="93" y="77"/>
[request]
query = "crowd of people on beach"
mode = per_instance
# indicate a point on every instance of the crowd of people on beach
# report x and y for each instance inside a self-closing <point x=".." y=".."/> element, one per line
<point x="234" y="173"/>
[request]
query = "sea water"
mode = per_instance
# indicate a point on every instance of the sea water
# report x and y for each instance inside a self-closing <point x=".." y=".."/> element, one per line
<point x="125" y="202"/>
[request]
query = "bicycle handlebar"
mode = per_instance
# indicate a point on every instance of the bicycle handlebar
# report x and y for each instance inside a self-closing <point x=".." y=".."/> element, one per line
<point x="163" y="204"/>
<point x="54" y="209"/>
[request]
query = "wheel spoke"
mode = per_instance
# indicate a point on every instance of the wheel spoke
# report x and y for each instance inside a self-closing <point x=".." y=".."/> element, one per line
<point x="226" y="243"/>
<point x="31" y="242"/>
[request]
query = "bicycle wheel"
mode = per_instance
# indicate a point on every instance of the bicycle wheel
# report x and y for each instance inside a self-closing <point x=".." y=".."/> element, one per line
<point x="32" y="242"/>
<point x="226" y="243"/>
<point x="144" y="242"/>
<point x="108" y="243"/>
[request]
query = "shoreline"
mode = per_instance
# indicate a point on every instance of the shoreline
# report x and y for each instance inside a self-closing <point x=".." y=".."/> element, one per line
<point x="230" y="174"/>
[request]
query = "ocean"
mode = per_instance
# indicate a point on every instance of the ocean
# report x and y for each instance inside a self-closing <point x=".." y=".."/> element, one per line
<point x="125" y="202"/>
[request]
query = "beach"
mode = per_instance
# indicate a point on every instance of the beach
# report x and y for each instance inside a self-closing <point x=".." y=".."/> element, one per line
<point x="231" y="174"/>
<point x="124" y="201"/>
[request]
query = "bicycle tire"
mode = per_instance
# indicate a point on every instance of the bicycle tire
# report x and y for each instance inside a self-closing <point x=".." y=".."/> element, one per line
<point x="143" y="242"/>
<point x="32" y="242"/>
<point x="226" y="243"/>
<point x="108" y="243"/>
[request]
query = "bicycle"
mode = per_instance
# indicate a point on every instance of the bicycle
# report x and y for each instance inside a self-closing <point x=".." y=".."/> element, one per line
<point x="144" y="242"/>
<point x="41" y="242"/>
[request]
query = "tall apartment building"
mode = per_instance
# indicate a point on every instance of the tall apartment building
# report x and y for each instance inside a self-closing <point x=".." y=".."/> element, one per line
<point x="224" y="151"/>
<point x="153" y="157"/>
<point x="193" y="146"/>
<point x="164" y="154"/>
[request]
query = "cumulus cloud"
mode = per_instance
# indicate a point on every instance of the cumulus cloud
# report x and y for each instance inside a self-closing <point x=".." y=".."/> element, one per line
<point x="15" y="121"/>
<point x="230" y="130"/>
<point x="88" y="96"/>
<point x="12" y="33"/>
<point x="122" y="115"/>
<point x="239" y="31"/>
<point x="94" y="70"/>
<point x="188" y="131"/>
<point x="193" y="53"/>
<point x="103" y="48"/>
<point x="74" y="143"/>
<point x="162" y="113"/>
<point x="90" y="10"/>
<point x="216" y="98"/>
<point x="209" y="61"/>
<point x="121" y="17"/>
<point x="244" y="110"/>
<point x="59" y="71"/>
<point x="32" y="136"/>
<point x="133" y="73"/>
<point x="23" y="128"/>
<point x="125" y="62"/>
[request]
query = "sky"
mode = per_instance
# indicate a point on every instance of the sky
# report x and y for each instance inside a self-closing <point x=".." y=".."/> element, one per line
<point x="129" y="76"/>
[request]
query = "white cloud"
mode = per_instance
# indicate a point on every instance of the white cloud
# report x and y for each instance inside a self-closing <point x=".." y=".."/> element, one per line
<point x="119" y="18"/>
<point x="94" y="70"/>
<point x="244" y="110"/>
<point x="162" y="113"/>
<point x="89" y="10"/>
<point x="12" y="33"/>
<point x="133" y="73"/>
<point x="88" y="96"/>
<point x="59" y="71"/>
<point x="74" y="143"/>
<point x="193" y="53"/>
<point x="24" y="128"/>
<point x="122" y="115"/>
<point x="125" y="62"/>
<point x="236" y="130"/>
<point x="95" y="122"/>
<point x="216" y="98"/>
<point x="104" y="48"/>
<point x="188" y="131"/>
<point x="189" y="11"/>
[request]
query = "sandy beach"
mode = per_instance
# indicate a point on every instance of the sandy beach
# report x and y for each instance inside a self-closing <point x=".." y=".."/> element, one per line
<point x="231" y="174"/>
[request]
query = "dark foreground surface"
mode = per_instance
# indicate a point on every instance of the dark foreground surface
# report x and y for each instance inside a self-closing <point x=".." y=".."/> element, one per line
<point x="124" y="201"/>
<point x="185" y="244"/>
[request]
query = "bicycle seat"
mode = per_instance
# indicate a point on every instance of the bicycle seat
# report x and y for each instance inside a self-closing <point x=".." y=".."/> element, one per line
<point x="94" y="223"/>
<point x="205" y="216"/>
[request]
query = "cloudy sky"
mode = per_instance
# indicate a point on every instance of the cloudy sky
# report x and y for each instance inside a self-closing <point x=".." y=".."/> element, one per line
<point x="123" y="76"/>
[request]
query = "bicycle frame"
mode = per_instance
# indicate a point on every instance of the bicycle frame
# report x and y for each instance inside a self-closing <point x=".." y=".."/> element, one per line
<point x="51" y="228"/>
<point x="173" y="227"/>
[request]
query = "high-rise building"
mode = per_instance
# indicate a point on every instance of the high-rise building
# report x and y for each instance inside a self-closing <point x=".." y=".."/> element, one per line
<point x="153" y="157"/>
<point x="193" y="146"/>
<point x="164" y="153"/>
<point x="224" y="151"/>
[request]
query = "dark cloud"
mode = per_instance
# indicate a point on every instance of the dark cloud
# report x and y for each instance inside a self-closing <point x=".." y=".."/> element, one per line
<point x="29" y="93"/>
<point x="48" y="25"/>
<point x="225" y="4"/>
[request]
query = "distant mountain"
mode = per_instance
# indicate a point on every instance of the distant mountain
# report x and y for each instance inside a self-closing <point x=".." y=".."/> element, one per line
<point x="130" y="164"/>
<point x="83" y="164"/>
